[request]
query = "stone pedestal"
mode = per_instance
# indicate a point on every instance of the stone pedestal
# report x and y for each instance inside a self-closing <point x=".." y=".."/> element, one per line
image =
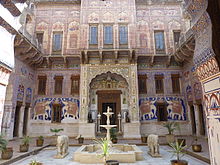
<point x="87" y="130"/>
<point x="131" y="130"/>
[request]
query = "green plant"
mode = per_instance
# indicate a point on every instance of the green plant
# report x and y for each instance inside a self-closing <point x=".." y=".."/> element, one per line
<point x="26" y="140"/>
<point x="55" y="131"/>
<point x="34" y="162"/>
<point x="40" y="137"/>
<point x="113" y="133"/>
<point x="3" y="143"/>
<point x="177" y="149"/>
<point x="171" y="127"/>
<point x="105" y="145"/>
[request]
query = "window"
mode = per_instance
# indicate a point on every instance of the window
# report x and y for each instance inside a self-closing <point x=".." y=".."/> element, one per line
<point x="159" y="41"/>
<point x="159" y="84"/>
<point x="40" y="36"/>
<point x="58" y="84"/>
<point x="142" y="84"/>
<point x="123" y="35"/>
<point x="108" y="35"/>
<point x="93" y="38"/>
<point x="75" y="85"/>
<point x="42" y="80"/>
<point x="176" y="37"/>
<point x="56" y="113"/>
<point x="57" y="41"/>
<point x="175" y="83"/>
<point x="161" y="112"/>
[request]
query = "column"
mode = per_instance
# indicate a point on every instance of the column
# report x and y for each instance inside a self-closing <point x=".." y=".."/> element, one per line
<point x="196" y="110"/>
<point x="21" y="122"/>
<point x="83" y="93"/>
<point x="7" y="127"/>
<point x="86" y="129"/>
<point x="132" y="129"/>
<point x="134" y="108"/>
<point x="28" y="121"/>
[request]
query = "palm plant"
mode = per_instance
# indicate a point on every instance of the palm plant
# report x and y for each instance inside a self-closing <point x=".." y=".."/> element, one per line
<point x="55" y="131"/>
<point x="3" y="143"/>
<point x="105" y="145"/>
<point x="178" y="150"/>
<point x="171" y="127"/>
<point x="26" y="140"/>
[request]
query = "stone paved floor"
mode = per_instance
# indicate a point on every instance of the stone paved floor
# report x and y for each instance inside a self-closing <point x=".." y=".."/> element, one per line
<point x="15" y="143"/>
<point x="46" y="157"/>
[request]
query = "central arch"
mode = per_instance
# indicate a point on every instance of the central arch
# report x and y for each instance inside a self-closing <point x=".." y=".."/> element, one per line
<point x="108" y="90"/>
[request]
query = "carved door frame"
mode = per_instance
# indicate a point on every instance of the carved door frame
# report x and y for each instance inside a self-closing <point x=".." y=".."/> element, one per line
<point x="109" y="96"/>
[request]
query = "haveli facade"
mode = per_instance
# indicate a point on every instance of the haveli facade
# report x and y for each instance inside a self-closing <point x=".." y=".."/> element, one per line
<point x="150" y="61"/>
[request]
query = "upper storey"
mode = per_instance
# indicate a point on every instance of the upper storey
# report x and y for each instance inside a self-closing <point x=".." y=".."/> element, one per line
<point x="108" y="28"/>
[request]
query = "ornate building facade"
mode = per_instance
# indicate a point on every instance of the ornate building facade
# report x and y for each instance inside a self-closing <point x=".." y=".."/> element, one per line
<point x="150" y="61"/>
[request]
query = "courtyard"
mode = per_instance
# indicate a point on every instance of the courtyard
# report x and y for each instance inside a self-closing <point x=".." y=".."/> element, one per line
<point x="46" y="157"/>
<point x="46" y="153"/>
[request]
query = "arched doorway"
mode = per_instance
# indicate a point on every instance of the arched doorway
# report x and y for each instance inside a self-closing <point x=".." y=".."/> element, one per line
<point x="112" y="99"/>
<point x="108" y="90"/>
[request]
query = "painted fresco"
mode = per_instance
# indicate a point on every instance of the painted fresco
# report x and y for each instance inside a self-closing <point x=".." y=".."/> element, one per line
<point x="20" y="94"/>
<point x="176" y="108"/>
<point x="28" y="95"/>
<point x="43" y="108"/>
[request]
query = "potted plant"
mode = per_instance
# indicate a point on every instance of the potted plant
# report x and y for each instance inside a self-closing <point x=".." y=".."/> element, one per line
<point x="171" y="127"/>
<point x="40" y="141"/>
<point x="56" y="131"/>
<point x="196" y="147"/>
<point x="178" y="151"/>
<point x="80" y="139"/>
<point x="143" y="139"/>
<point x="7" y="152"/>
<point x="54" y="137"/>
<point x="25" y="144"/>
<point x="34" y="162"/>
<point x="105" y="145"/>
<point x="113" y="135"/>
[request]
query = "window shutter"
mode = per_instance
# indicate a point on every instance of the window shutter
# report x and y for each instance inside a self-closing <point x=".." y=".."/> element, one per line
<point x="108" y="35"/>
<point x="57" y="42"/>
<point x="159" y="41"/>
<point x="93" y="35"/>
<point x="123" y="35"/>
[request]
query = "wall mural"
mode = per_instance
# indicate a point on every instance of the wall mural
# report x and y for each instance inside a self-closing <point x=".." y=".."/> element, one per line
<point x="176" y="108"/>
<point x="20" y="94"/>
<point x="43" y="108"/>
<point x="28" y="95"/>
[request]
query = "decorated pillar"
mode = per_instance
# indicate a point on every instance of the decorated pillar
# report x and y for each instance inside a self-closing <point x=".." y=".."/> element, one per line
<point x="196" y="111"/>
<point x="134" y="108"/>
<point x="84" y="94"/>
<point x="21" y="121"/>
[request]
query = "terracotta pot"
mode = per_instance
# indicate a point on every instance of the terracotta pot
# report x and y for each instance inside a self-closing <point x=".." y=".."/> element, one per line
<point x="24" y="148"/>
<point x="143" y="139"/>
<point x="112" y="162"/>
<point x="170" y="138"/>
<point x="7" y="154"/>
<point x="53" y="141"/>
<point x="197" y="147"/>
<point x="81" y="140"/>
<point x="180" y="141"/>
<point x="90" y="121"/>
<point x="179" y="162"/>
<point x="114" y="141"/>
<point x="39" y="142"/>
